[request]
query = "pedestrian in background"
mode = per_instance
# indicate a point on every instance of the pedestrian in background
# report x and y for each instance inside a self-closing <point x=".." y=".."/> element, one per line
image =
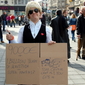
<point x="49" y="19"/>
<point x="1" y="36"/>
<point x="12" y="20"/>
<point x="59" y="34"/>
<point x="72" y="24"/>
<point x="3" y="16"/>
<point x="43" y="18"/>
<point x="66" y="16"/>
<point x="81" y="30"/>
<point x="79" y="44"/>
<point x="8" y="20"/>
<point x="26" y="20"/>
<point x="19" y="19"/>
<point x="22" y="19"/>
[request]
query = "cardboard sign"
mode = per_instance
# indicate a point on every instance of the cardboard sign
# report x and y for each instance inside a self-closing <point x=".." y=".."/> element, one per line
<point x="22" y="63"/>
<point x="53" y="66"/>
<point x="36" y="64"/>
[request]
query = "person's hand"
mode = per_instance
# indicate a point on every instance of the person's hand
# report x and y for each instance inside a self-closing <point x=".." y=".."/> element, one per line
<point x="51" y="42"/>
<point x="79" y="36"/>
<point x="9" y="36"/>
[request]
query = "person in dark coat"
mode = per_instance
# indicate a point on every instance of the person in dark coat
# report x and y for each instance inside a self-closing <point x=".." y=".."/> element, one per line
<point x="81" y="31"/>
<point x="43" y="18"/>
<point x="3" y="16"/>
<point x="1" y="36"/>
<point x="49" y="19"/>
<point x="59" y="34"/>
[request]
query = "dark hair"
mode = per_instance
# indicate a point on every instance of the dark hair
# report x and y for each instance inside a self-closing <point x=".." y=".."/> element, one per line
<point x="59" y="12"/>
<point x="42" y="10"/>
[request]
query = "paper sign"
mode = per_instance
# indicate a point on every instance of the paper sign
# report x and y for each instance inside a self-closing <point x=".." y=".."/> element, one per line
<point x="22" y="63"/>
<point x="36" y="64"/>
<point x="53" y="65"/>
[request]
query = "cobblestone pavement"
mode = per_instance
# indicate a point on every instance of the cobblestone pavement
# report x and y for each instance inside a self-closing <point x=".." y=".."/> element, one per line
<point x="76" y="69"/>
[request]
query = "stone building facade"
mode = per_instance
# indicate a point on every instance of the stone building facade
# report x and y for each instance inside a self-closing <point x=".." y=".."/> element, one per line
<point x="16" y="7"/>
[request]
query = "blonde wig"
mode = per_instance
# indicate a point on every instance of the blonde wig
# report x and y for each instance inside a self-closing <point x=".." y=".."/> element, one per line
<point x="32" y="4"/>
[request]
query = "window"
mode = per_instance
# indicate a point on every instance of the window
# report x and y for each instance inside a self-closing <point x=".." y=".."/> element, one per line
<point x="6" y="2"/>
<point x="1" y="1"/>
<point x="77" y="2"/>
<point x="26" y="1"/>
<point x="20" y="1"/>
<point x="12" y="1"/>
<point x="15" y="1"/>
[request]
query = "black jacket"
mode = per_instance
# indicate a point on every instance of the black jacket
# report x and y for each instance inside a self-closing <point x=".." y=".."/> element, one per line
<point x="59" y="25"/>
<point x="3" y="16"/>
<point x="55" y="32"/>
<point x="80" y="25"/>
<point x="59" y="33"/>
<point x="43" y="19"/>
<point x="0" y="20"/>
<point x="0" y="28"/>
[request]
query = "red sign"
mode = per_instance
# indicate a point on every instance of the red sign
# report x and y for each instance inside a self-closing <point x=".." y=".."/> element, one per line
<point x="6" y="8"/>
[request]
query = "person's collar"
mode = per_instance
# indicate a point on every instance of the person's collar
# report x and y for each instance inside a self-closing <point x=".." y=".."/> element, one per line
<point x="83" y="16"/>
<point x="32" y="23"/>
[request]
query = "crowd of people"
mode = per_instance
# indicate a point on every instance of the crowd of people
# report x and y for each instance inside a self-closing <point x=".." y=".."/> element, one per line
<point x="10" y="20"/>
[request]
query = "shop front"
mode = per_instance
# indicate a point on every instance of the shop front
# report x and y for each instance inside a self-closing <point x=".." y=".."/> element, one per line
<point x="16" y="10"/>
<point x="7" y="9"/>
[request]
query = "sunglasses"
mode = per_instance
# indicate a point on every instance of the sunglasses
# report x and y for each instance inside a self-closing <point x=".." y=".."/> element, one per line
<point x="31" y="11"/>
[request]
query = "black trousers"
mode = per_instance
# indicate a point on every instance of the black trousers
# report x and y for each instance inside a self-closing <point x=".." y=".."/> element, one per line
<point x="1" y="36"/>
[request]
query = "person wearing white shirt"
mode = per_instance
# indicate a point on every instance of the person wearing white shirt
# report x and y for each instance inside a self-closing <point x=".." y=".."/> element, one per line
<point x="34" y="32"/>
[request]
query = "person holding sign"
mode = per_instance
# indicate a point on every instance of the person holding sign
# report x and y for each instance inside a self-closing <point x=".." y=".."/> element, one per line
<point x="35" y="31"/>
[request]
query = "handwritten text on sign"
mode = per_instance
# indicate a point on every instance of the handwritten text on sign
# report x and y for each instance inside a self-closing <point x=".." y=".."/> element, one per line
<point x="21" y="59"/>
<point x="21" y="49"/>
<point x="32" y="62"/>
<point x="19" y="65"/>
<point x="51" y="67"/>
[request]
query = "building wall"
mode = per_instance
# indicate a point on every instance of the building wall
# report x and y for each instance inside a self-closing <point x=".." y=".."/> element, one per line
<point x="57" y="4"/>
<point x="9" y="2"/>
<point x="13" y="6"/>
<point x="76" y="4"/>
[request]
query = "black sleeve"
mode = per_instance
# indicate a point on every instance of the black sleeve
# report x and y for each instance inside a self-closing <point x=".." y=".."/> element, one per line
<point x="52" y="25"/>
<point x="78" y="26"/>
<point x="65" y="23"/>
<point x="0" y="20"/>
<point x="55" y="31"/>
